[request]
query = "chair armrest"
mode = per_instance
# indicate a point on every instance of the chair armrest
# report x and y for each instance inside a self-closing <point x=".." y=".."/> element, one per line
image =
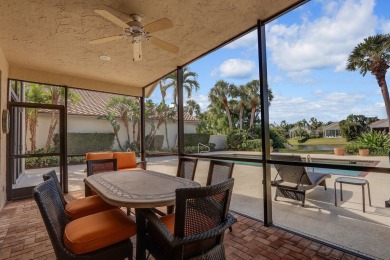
<point x="142" y="164"/>
<point x="156" y="223"/>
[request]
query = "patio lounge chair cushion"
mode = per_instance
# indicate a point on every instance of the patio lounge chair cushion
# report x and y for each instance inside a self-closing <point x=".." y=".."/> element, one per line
<point x="86" y="206"/>
<point x="169" y="222"/>
<point x="126" y="160"/>
<point x="99" y="230"/>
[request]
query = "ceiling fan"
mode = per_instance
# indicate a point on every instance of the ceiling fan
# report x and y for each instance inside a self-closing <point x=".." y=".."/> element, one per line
<point x="138" y="33"/>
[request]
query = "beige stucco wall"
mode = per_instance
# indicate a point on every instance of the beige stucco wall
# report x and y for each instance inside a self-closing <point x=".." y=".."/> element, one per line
<point x="3" y="102"/>
<point x="89" y="124"/>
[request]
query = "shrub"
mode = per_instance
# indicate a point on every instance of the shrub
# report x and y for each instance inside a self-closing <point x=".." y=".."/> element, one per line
<point x="194" y="139"/>
<point x="277" y="137"/>
<point x="194" y="149"/>
<point x="303" y="139"/>
<point x="236" y="139"/>
<point x="81" y="143"/>
<point x="253" y="145"/>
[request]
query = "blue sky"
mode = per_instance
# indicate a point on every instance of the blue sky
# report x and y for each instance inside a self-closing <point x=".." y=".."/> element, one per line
<point x="307" y="52"/>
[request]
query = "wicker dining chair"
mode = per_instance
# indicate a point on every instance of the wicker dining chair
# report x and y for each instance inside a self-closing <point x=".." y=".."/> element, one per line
<point x="219" y="171"/>
<point x="51" y="208"/>
<point x="98" y="166"/>
<point x="79" y="207"/>
<point x="187" y="168"/>
<point x="195" y="230"/>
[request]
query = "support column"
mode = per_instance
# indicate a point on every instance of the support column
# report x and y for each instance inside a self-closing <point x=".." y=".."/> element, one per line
<point x="142" y="122"/>
<point x="264" y="105"/>
<point x="64" y="141"/>
<point x="180" y="112"/>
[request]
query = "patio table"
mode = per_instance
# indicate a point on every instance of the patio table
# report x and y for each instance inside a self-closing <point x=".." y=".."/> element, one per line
<point x="138" y="189"/>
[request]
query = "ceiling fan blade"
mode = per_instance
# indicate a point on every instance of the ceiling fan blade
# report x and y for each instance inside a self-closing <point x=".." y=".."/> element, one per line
<point x="109" y="16"/>
<point x="137" y="51"/>
<point x="158" y="25"/>
<point x="164" y="45"/>
<point x="106" y="39"/>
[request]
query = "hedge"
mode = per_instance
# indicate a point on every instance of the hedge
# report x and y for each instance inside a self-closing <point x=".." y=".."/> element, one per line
<point x="81" y="143"/>
<point x="195" y="139"/>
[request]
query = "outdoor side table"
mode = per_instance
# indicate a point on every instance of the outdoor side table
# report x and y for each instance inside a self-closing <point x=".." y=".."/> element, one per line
<point x="352" y="181"/>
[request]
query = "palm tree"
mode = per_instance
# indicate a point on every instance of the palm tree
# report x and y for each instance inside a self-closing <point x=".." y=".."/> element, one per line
<point x="56" y="96"/>
<point x="35" y="94"/>
<point x="253" y="91"/>
<point x="373" y="55"/>
<point x="192" y="108"/>
<point x="218" y="93"/>
<point x="190" y="83"/>
<point x="122" y="105"/>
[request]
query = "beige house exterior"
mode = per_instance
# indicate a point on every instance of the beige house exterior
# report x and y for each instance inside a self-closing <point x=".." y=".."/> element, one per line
<point x="332" y="130"/>
<point x="380" y="125"/>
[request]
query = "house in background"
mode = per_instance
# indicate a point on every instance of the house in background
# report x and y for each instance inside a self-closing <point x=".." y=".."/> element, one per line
<point x="332" y="130"/>
<point x="87" y="116"/>
<point x="380" y="125"/>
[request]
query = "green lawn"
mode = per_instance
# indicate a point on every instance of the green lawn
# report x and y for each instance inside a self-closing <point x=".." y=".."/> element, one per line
<point x="318" y="141"/>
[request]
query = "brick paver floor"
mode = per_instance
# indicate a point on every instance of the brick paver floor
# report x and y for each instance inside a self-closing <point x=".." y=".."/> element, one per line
<point x="23" y="236"/>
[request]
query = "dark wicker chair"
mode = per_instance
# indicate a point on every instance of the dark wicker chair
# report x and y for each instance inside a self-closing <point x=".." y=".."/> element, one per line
<point x="98" y="166"/>
<point x="219" y="172"/>
<point x="187" y="168"/>
<point x="201" y="219"/>
<point x="52" y="175"/>
<point x="49" y="203"/>
<point x="295" y="180"/>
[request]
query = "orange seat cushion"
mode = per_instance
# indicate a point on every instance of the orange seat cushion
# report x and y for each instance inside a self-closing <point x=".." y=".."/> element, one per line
<point x="99" y="155"/>
<point x="99" y="230"/>
<point x="86" y="206"/>
<point x="169" y="222"/>
<point x="125" y="159"/>
<point x="131" y="169"/>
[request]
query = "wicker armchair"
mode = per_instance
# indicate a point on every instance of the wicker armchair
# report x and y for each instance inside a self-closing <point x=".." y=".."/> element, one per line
<point x="187" y="168"/>
<point x="200" y="222"/>
<point x="98" y="166"/>
<point x="50" y="205"/>
<point x="219" y="172"/>
<point x="294" y="180"/>
<point x="79" y="207"/>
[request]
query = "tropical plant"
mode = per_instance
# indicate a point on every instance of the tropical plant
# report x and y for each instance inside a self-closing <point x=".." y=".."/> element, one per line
<point x="121" y="104"/>
<point x="374" y="139"/>
<point x="219" y="95"/>
<point x="373" y="55"/>
<point x="56" y="96"/>
<point x="190" y="83"/>
<point x="192" y="108"/>
<point x="34" y="94"/>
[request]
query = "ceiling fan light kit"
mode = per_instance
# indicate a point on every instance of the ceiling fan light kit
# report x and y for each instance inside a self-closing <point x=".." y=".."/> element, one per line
<point x="138" y="33"/>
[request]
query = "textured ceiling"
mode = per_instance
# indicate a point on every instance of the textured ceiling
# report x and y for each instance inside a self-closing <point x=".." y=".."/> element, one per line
<point x="51" y="38"/>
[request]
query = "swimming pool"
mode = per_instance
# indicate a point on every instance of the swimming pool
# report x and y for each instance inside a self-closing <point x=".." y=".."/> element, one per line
<point x="315" y="160"/>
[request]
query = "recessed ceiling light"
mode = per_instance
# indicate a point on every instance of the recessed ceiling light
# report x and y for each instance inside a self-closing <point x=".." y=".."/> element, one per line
<point x="105" y="57"/>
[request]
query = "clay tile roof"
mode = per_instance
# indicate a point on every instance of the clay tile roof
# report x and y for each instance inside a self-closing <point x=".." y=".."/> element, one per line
<point x="93" y="103"/>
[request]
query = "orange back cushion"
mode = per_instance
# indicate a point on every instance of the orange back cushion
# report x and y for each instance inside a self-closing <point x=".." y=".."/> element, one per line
<point x="126" y="159"/>
<point x="99" y="155"/>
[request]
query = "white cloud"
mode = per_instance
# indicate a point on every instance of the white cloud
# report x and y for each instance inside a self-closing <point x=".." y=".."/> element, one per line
<point x="325" y="41"/>
<point x="237" y="68"/>
<point x="332" y="106"/>
<point x="384" y="26"/>
<point x="248" y="41"/>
